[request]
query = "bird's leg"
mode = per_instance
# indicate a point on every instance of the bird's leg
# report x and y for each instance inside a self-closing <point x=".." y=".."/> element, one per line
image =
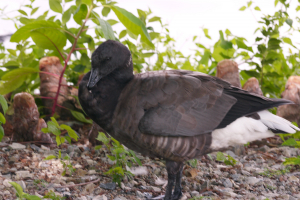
<point x="173" y="169"/>
<point x="177" y="191"/>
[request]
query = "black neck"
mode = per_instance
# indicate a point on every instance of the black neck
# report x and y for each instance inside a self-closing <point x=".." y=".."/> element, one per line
<point x="103" y="99"/>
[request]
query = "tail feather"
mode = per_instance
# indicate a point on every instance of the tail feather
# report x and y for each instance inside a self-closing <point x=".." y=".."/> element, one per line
<point x="277" y="124"/>
<point x="248" y="129"/>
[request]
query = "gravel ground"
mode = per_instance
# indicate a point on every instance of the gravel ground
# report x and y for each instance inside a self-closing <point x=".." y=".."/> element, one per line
<point x="258" y="174"/>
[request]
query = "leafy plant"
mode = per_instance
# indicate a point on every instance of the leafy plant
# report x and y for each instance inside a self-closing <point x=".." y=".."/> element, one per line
<point x="56" y="129"/>
<point x="193" y="163"/>
<point x="65" y="161"/>
<point x="4" y="106"/>
<point x="120" y="156"/>
<point x="226" y="159"/>
<point x="21" y="195"/>
<point x="270" y="173"/>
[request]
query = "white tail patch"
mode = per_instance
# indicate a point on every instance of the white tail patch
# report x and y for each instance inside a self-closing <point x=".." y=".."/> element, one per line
<point x="246" y="129"/>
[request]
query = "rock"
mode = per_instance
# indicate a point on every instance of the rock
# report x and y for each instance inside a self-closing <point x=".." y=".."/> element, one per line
<point x="89" y="188"/>
<point x="90" y="172"/>
<point x="139" y="194"/>
<point x="252" y="180"/>
<point x="45" y="148"/>
<point x="23" y="174"/>
<point x="91" y="162"/>
<point x="22" y="184"/>
<point x="108" y="186"/>
<point x="245" y="173"/>
<point x="35" y="148"/>
<point x="230" y="153"/>
<point x="17" y="146"/>
<point x="227" y="183"/>
<point x="195" y="193"/>
<point x="293" y="178"/>
<point x="6" y="183"/>
<point x="205" y="185"/>
<point x="155" y="189"/>
<point x="100" y="197"/>
<point x="120" y="198"/>
<point x="264" y="148"/>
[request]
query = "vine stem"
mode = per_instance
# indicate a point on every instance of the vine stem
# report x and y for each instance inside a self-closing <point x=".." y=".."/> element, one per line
<point x="67" y="60"/>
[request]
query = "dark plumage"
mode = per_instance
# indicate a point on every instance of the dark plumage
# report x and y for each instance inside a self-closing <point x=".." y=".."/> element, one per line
<point x="175" y="115"/>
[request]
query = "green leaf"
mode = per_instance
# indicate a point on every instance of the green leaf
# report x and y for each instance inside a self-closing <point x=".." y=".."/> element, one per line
<point x="68" y="139"/>
<point x="50" y="157"/>
<point x="154" y="19"/>
<point x="45" y="34"/>
<point x="102" y="137"/>
<point x="18" y="72"/>
<point x="289" y="22"/>
<point x="34" y="10"/>
<point x="87" y="2"/>
<point x="2" y="119"/>
<point x="257" y="8"/>
<point x="243" y="8"/>
<point x="3" y="104"/>
<point x="96" y="147"/>
<point x="298" y="8"/>
<point x="205" y="30"/>
<point x="122" y="34"/>
<point x="67" y="14"/>
<point x="71" y="132"/>
<point x="138" y="161"/>
<point x="22" y="12"/>
<point x="53" y="128"/>
<point x="224" y="44"/>
<point x="105" y="11"/>
<point x="80" y="14"/>
<point x="205" y="58"/>
<point x="45" y="130"/>
<point x="1" y="133"/>
<point x="288" y="41"/>
<point x="31" y="197"/>
<point x="273" y="44"/>
<point x="290" y="142"/>
<point x="59" y="154"/>
<point x="79" y="116"/>
<point x="59" y="140"/>
<point x="11" y="85"/>
<point x="220" y="157"/>
<point x="106" y="29"/>
<point x="133" y="24"/>
<point x="249" y="3"/>
<point x="112" y="21"/>
<point x="18" y="188"/>
<point x="292" y="161"/>
<point x="55" y="122"/>
<point x="55" y="5"/>
<point x="276" y="2"/>
<point x="79" y="68"/>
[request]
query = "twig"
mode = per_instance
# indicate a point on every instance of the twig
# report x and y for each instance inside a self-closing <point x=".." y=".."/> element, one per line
<point x="80" y="184"/>
<point x="36" y="142"/>
<point x="67" y="60"/>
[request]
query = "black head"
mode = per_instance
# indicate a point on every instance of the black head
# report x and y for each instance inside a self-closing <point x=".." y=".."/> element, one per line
<point x="111" y="56"/>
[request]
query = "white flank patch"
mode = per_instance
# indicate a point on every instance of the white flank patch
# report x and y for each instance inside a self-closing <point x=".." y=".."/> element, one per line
<point x="246" y="129"/>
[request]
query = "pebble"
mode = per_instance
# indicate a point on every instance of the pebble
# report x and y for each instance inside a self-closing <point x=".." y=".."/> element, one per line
<point x="293" y="178"/>
<point x="139" y="194"/>
<point x="252" y="180"/>
<point x="17" y="146"/>
<point x="23" y="174"/>
<point x="108" y="186"/>
<point x="100" y="197"/>
<point x="195" y="193"/>
<point x="227" y="183"/>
